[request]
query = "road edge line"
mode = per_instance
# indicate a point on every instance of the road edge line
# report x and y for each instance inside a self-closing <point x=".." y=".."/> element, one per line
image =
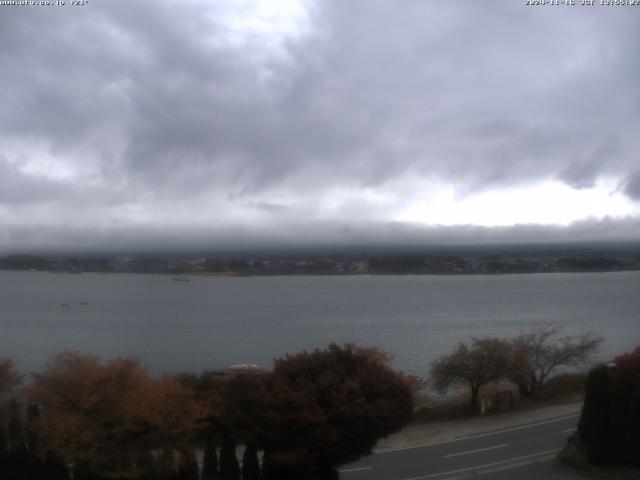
<point x="479" y="435"/>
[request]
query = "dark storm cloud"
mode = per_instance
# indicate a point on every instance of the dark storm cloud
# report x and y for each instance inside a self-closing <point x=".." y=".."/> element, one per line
<point x="92" y="237"/>
<point x="632" y="187"/>
<point x="583" y="173"/>
<point x="165" y="102"/>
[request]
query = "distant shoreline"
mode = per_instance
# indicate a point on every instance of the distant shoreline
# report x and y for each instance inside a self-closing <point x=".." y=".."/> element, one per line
<point x="467" y="263"/>
<point x="377" y="274"/>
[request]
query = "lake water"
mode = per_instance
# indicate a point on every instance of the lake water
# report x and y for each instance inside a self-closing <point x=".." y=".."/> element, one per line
<point x="213" y="322"/>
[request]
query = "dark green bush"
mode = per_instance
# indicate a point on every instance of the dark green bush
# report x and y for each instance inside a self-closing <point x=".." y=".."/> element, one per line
<point x="609" y="427"/>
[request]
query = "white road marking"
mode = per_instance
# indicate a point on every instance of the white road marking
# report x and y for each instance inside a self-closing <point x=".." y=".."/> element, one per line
<point x="359" y="469"/>
<point x="545" y="459"/>
<point x="481" y="435"/>
<point x="569" y="430"/>
<point x="479" y="467"/>
<point x="476" y="451"/>
<point x="503" y="468"/>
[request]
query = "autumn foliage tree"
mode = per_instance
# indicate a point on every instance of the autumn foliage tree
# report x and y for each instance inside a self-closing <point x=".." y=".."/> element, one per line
<point x="18" y="443"/>
<point x="106" y="415"/>
<point x="9" y="377"/>
<point x="241" y="402"/>
<point x="527" y="360"/>
<point x="475" y="365"/>
<point x="318" y="410"/>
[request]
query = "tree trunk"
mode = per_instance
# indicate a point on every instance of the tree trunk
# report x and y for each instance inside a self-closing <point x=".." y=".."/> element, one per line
<point x="523" y="390"/>
<point x="533" y="388"/>
<point x="475" y="390"/>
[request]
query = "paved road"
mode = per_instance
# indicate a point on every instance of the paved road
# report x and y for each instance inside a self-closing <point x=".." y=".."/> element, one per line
<point x="491" y="455"/>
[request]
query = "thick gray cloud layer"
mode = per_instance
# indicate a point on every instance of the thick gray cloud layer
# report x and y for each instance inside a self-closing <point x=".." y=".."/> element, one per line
<point x="124" y="118"/>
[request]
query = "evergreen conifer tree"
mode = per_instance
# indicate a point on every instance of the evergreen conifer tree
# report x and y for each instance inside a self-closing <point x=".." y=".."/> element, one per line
<point x="210" y="459"/>
<point x="16" y="431"/>
<point x="33" y="414"/>
<point x="148" y="466"/>
<point x="54" y="468"/>
<point x="166" y="465"/>
<point x="4" y="445"/>
<point x="4" y="449"/>
<point x="229" y="467"/>
<point x="250" y="463"/>
<point x="187" y="465"/>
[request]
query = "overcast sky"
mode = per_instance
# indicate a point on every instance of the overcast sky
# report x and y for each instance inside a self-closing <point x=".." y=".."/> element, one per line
<point x="194" y="123"/>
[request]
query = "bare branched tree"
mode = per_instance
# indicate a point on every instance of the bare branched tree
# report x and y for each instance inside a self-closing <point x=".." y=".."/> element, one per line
<point x="484" y="361"/>
<point x="534" y="355"/>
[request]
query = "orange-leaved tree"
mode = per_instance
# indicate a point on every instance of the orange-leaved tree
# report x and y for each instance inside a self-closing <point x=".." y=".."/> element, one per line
<point x="9" y="377"/>
<point x="104" y="416"/>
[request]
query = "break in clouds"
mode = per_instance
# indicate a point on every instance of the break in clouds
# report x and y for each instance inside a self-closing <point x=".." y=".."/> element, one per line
<point x="192" y="123"/>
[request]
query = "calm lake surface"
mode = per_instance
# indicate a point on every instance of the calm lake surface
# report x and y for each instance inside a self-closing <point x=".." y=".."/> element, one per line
<point x="214" y="322"/>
